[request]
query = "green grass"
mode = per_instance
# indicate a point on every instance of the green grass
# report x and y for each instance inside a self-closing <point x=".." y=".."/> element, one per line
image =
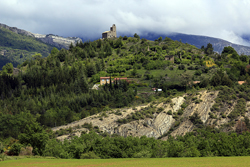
<point x="169" y="162"/>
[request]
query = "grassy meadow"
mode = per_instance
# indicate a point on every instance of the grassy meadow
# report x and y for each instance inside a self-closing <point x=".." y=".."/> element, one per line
<point x="169" y="162"/>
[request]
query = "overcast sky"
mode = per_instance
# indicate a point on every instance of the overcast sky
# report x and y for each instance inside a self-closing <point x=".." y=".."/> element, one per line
<point x="226" y="19"/>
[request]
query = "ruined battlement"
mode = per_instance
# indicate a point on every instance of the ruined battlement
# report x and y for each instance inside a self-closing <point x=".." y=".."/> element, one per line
<point x="110" y="34"/>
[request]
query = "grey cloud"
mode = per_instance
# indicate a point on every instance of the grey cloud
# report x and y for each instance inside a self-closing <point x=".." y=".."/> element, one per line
<point x="226" y="19"/>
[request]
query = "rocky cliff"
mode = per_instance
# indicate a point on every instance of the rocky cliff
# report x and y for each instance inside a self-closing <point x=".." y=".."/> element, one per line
<point x="54" y="40"/>
<point x="17" y="30"/>
<point x="58" y="41"/>
<point x="161" y="123"/>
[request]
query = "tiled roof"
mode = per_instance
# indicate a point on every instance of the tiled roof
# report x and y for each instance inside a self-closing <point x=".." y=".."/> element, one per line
<point x="195" y="82"/>
<point x="241" y="82"/>
<point x="104" y="77"/>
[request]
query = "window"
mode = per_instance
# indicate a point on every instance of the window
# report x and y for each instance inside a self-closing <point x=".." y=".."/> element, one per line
<point x="107" y="80"/>
<point x="102" y="80"/>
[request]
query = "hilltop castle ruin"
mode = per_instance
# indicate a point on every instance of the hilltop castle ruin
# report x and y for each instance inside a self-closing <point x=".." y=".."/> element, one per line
<point x="110" y="34"/>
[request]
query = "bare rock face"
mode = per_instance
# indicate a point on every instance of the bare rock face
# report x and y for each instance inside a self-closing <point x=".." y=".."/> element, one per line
<point x="150" y="127"/>
<point x="161" y="122"/>
<point x="57" y="41"/>
<point x="185" y="127"/>
<point x="17" y="30"/>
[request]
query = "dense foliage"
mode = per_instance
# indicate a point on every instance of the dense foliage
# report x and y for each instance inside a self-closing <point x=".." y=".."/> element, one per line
<point x="201" y="143"/>
<point x="56" y="90"/>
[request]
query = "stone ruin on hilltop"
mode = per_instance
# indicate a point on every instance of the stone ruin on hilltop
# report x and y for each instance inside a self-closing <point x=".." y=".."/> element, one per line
<point x="110" y="34"/>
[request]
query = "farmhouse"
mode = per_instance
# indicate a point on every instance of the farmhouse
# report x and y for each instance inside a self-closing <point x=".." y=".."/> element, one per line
<point x="241" y="82"/>
<point x="104" y="80"/>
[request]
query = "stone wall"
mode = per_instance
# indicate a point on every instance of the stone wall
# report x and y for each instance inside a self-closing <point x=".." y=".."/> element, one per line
<point x="110" y="34"/>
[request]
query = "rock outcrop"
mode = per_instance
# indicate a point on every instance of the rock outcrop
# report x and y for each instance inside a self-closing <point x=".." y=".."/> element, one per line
<point x="17" y="30"/>
<point x="54" y="40"/>
<point x="58" y="41"/>
<point x="161" y="123"/>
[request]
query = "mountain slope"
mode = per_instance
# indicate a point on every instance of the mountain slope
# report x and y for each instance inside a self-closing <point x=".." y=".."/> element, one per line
<point x="162" y="123"/>
<point x="16" y="46"/>
<point x="54" y="40"/>
<point x="59" y="42"/>
<point x="218" y="44"/>
<point x="198" y="41"/>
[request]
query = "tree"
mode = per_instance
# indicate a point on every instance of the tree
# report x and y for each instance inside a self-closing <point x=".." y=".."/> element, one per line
<point x="71" y="46"/>
<point x="186" y="80"/>
<point x="8" y="68"/>
<point x="160" y="39"/>
<point x="230" y="50"/>
<point x="136" y="36"/>
<point x="62" y="55"/>
<point x="36" y="136"/>
<point x="54" y="51"/>
<point x="37" y="56"/>
<point x="209" y="49"/>
<point x="91" y="69"/>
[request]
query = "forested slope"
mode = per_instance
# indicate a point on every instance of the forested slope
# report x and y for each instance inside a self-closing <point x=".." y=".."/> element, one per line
<point x="56" y="90"/>
<point x="16" y="48"/>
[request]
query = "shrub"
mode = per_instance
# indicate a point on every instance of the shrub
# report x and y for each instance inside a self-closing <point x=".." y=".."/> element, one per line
<point x="191" y="68"/>
<point x="198" y="72"/>
<point x="1" y="148"/>
<point x="212" y="116"/>
<point x="224" y="116"/>
<point x="180" y="112"/>
<point x="181" y="67"/>
<point x="15" y="149"/>
<point x="168" y="100"/>
<point x="125" y="38"/>
<point x="160" y="109"/>
<point x="142" y="154"/>
<point x="177" y="123"/>
<point x="118" y="112"/>
<point x="195" y="119"/>
<point x="194" y="98"/>
<point x="198" y="101"/>
<point x="89" y="155"/>
<point x="184" y="105"/>
<point x="26" y="151"/>
<point x="2" y="157"/>
<point x="170" y="112"/>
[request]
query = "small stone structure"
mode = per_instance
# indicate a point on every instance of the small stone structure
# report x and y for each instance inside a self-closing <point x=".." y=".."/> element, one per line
<point x="110" y="34"/>
<point x="170" y="58"/>
<point x="3" y="52"/>
<point x="104" y="80"/>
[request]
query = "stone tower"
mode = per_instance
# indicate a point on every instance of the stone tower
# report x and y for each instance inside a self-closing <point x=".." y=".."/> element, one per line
<point x="113" y="30"/>
<point x="111" y="33"/>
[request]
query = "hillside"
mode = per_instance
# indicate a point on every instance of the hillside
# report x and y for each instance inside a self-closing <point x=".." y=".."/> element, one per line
<point x="199" y="41"/>
<point x="162" y="118"/>
<point x="16" y="48"/>
<point x="217" y="43"/>
<point x="57" y="41"/>
<point x="159" y="89"/>
<point x="50" y="39"/>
